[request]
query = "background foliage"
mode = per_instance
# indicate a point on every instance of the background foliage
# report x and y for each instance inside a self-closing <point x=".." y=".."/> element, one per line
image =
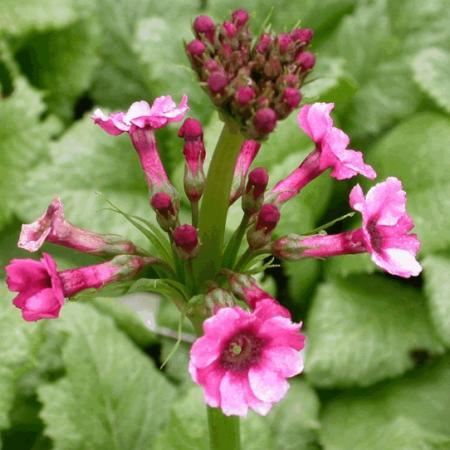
<point x="377" y="361"/>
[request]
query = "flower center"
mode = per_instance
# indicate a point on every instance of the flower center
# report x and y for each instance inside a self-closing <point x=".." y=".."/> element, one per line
<point x="376" y="238"/>
<point x="241" y="351"/>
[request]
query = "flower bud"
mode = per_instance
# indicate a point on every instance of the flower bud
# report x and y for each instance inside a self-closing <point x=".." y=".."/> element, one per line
<point x="196" y="48"/>
<point x="264" y="42"/>
<point x="254" y="191"/>
<point x="292" y="97"/>
<point x="259" y="235"/>
<point x="302" y="35"/>
<point x="306" y="60"/>
<point x="194" y="152"/>
<point x="217" y="82"/>
<point x="217" y="298"/>
<point x="265" y="121"/>
<point x="185" y="238"/>
<point x="230" y="29"/>
<point x="204" y="25"/>
<point x="245" y="95"/>
<point x="166" y="210"/>
<point x="284" y="41"/>
<point x="240" y="18"/>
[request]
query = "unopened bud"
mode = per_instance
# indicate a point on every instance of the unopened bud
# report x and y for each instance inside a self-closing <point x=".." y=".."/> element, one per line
<point x="166" y="210"/>
<point x="230" y="29"/>
<point x="292" y="97"/>
<point x="265" y="120"/>
<point x="254" y="192"/>
<point x="245" y="95"/>
<point x="185" y="238"/>
<point x="263" y="43"/>
<point x="302" y="35"/>
<point x="240" y="18"/>
<point x="284" y="41"/>
<point x="217" y="82"/>
<point x="204" y="25"/>
<point x="196" y="48"/>
<point x="260" y="234"/>
<point x="306" y="60"/>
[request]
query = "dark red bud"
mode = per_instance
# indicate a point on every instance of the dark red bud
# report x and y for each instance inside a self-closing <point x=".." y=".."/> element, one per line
<point x="186" y="237"/>
<point x="245" y="95"/>
<point x="162" y="202"/>
<point x="292" y="97"/>
<point x="203" y="25"/>
<point x="258" y="179"/>
<point x="240" y="18"/>
<point x="284" y="40"/>
<point x="217" y="81"/>
<point x="230" y="29"/>
<point x="303" y="35"/>
<point x="265" y="120"/>
<point x="196" y="48"/>
<point x="306" y="60"/>
<point x="191" y="129"/>
<point x="263" y="43"/>
<point x="290" y="80"/>
<point x="268" y="217"/>
<point x="211" y="65"/>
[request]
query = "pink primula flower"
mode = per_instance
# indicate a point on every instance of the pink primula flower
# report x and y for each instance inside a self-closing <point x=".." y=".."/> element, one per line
<point x="386" y="226"/>
<point x="244" y="358"/>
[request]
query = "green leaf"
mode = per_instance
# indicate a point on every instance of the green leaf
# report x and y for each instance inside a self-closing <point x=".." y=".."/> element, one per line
<point x="364" y="329"/>
<point x="86" y="160"/>
<point x="125" y="395"/>
<point x="409" y="413"/>
<point x="345" y="265"/>
<point x="24" y="140"/>
<point x="437" y="288"/>
<point x="302" y="277"/>
<point x="188" y="430"/>
<point x="415" y="152"/>
<point x="61" y="62"/>
<point x="18" y="345"/>
<point x="295" y="420"/>
<point x="432" y="73"/>
<point x="20" y="17"/>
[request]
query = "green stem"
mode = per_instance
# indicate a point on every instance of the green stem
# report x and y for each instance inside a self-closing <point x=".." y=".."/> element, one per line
<point x="224" y="433"/>
<point x="244" y="259"/>
<point x="234" y="243"/>
<point x="216" y="197"/>
<point x="194" y="211"/>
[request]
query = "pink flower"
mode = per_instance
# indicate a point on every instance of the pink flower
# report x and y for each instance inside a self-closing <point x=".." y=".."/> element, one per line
<point x="247" y="154"/>
<point x="140" y="121"/>
<point x="331" y="152"/>
<point x="244" y="358"/>
<point x="386" y="226"/>
<point x="53" y="227"/>
<point x="42" y="288"/>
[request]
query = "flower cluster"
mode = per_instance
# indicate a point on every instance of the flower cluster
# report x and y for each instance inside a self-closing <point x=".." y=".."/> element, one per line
<point x="257" y="82"/>
<point x="250" y="346"/>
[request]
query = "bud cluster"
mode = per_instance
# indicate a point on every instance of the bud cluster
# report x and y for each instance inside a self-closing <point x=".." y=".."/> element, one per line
<point x="255" y="82"/>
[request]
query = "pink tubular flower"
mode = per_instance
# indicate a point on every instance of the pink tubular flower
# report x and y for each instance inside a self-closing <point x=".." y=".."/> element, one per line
<point x="331" y="152"/>
<point x="53" y="227"/>
<point x="42" y="288"/>
<point x="386" y="226"/>
<point x="139" y="121"/>
<point x="248" y="153"/>
<point x="384" y="233"/>
<point x="243" y="359"/>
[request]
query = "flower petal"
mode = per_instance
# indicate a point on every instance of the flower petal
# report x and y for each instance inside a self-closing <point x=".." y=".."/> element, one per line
<point x="315" y="120"/>
<point x="267" y="385"/>
<point x="232" y="395"/>
<point x="285" y="361"/>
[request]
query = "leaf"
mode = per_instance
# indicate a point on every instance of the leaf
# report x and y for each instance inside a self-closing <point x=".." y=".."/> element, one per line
<point x="345" y="265"/>
<point x="437" y="288"/>
<point x="414" y="151"/>
<point x="61" y="62"/>
<point x="364" y="329"/>
<point x="127" y="398"/>
<point x="302" y="278"/>
<point x="432" y="73"/>
<point x="295" y="420"/>
<point x="18" y="344"/>
<point x="86" y="160"/>
<point x="408" y="413"/>
<point x="23" y="142"/>
<point x="187" y="428"/>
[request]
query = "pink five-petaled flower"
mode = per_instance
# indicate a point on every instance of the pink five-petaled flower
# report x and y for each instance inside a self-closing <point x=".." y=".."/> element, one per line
<point x="53" y="227"/>
<point x="244" y="358"/>
<point x="139" y="121"/>
<point x="42" y="288"/>
<point x="386" y="226"/>
<point x="331" y="152"/>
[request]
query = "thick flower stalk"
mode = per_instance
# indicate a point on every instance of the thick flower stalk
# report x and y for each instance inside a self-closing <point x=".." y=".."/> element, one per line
<point x="247" y="346"/>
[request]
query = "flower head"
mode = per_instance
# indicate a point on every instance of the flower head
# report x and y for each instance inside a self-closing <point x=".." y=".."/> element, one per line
<point x="40" y="289"/>
<point x="386" y="226"/>
<point x="244" y="358"/>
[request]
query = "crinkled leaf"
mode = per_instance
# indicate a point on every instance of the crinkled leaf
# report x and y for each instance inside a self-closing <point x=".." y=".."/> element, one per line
<point x="408" y="413"/>
<point x="432" y="73"/>
<point x="125" y="395"/>
<point x="86" y="160"/>
<point x="437" y="288"/>
<point x="302" y="277"/>
<point x="342" y="266"/>
<point x="416" y="152"/>
<point x="188" y="430"/>
<point x="364" y="329"/>
<point x="24" y="141"/>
